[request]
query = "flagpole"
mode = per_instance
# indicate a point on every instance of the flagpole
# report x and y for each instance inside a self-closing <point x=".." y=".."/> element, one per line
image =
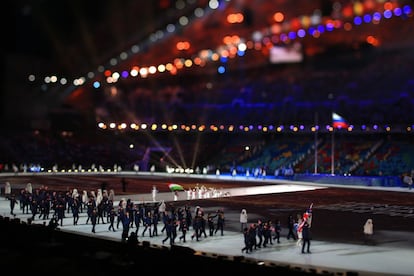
<point x="333" y="152"/>
<point x="337" y="122"/>
<point x="316" y="143"/>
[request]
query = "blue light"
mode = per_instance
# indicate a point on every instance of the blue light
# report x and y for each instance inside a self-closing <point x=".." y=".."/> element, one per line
<point x="377" y="16"/>
<point x="240" y="53"/>
<point x="292" y="35"/>
<point x="221" y="69"/>
<point x="387" y="14"/>
<point x="357" y="20"/>
<point x="223" y="59"/>
<point x="96" y="84"/>
<point x="321" y="28"/>
<point x="367" y="18"/>
<point x="407" y="9"/>
<point x="283" y="37"/>
<point x="124" y="74"/>
<point x="35" y="168"/>
<point x="301" y="33"/>
<point x="397" y="12"/>
<point x="311" y="30"/>
<point x="330" y="27"/>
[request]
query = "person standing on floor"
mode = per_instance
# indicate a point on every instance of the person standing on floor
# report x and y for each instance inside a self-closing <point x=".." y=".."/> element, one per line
<point x="188" y="216"/>
<point x="13" y="202"/>
<point x="197" y="225"/>
<point x="368" y="231"/>
<point x="154" y="193"/>
<point x="306" y="237"/>
<point x="169" y="231"/>
<point x="126" y="222"/>
<point x="220" y="222"/>
<point x="243" y="220"/>
<point x="291" y="228"/>
<point x="252" y="236"/>
<point x="147" y="224"/>
<point x="75" y="210"/>
<point x="155" y="220"/>
<point x="267" y="233"/>
<point x="210" y="222"/>
<point x="246" y="240"/>
<point x="112" y="215"/>
<point x="7" y="190"/>
<point x="278" y="229"/>
<point x="183" y="228"/>
<point x="298" y="227"/>
<point x="259" y="232"/>
<point x="94" y="219"/>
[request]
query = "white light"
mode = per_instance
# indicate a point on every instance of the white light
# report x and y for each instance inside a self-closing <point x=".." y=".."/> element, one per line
<point x="123" y="56"/>
<point x="183" y="20"/>
<point x="135" y="49"/>
<point x="152" y="69"/>
<point x="134" y="72"/>
<point x="213" y="4"/>
<point x="170" y="28"/>
<point x="199" y="12"/>
<point x="91" y="75"/>
<point x="113" y="61"/>
<point x="242" y="47"/>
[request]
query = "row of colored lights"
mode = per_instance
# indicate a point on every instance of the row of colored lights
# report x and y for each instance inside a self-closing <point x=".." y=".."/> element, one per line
<point x="249" y="128"/>
<point x="135" y="49"/>
<point x="237" y="48"/>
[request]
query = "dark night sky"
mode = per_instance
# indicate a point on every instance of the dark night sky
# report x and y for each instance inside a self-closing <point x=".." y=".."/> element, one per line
<point x="75" y="34"/>
<point x="37" y="25"/>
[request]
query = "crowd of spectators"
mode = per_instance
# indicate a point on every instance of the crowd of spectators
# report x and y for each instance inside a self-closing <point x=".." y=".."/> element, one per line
<point x="250" y="155"/>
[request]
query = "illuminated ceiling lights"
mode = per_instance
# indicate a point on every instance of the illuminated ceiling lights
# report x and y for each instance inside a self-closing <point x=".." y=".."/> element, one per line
<point x="255" y="128"/>
<point x="281" y="31"/>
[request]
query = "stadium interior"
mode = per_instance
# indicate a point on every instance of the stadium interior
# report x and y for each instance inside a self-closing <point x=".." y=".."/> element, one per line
<point x="267" y="88"/>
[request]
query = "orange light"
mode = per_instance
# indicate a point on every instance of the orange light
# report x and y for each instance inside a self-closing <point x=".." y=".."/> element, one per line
<point x="234" y="18"/>
<point x="372" y="40"/>
<point x="227" y="39"/>
<point x="183" y="45"/>
<point x="388" y="6"/>
<point x="197" y="61"/>
<point x="278" y="17"/>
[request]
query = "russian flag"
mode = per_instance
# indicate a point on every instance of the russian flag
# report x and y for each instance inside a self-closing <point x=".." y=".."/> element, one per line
<point x="338" y="121"/>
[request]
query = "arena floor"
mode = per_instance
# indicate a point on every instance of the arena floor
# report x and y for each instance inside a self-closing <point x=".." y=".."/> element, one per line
<point x="338" y="216"/>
